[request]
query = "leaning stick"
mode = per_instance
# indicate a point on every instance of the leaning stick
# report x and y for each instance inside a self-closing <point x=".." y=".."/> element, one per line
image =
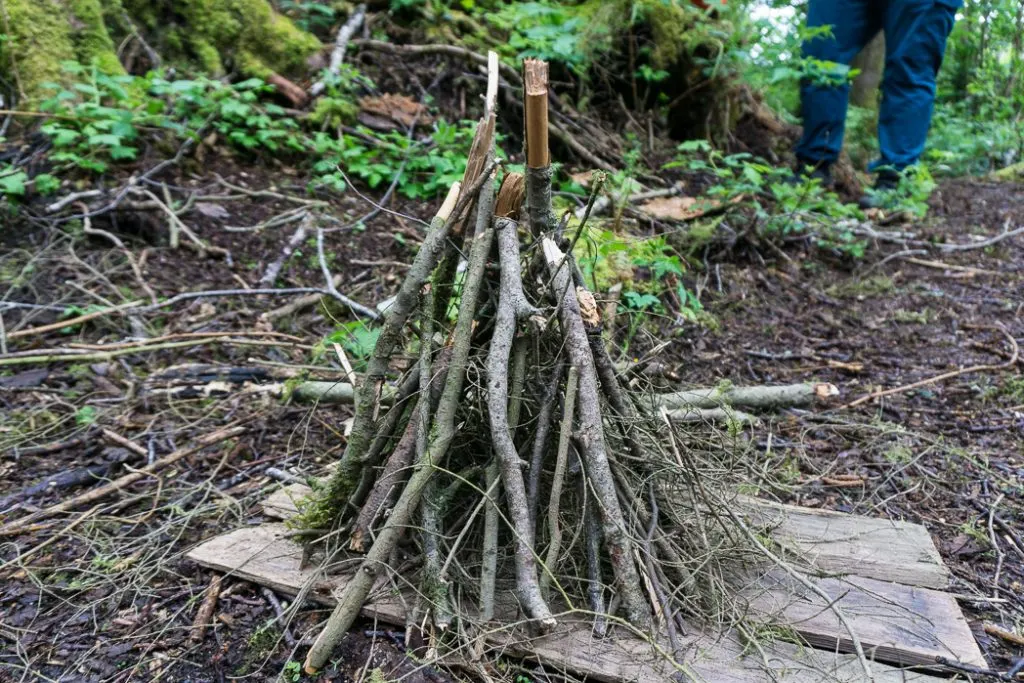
<point x="367" y="402"/>
<point x="512" y="308"/>
<point x="93" y="495"/>
<point x="561" y="457"/>
<point x="591" y="437"/>
<point x="444" y="428"/>
<point x="340" y="44"/>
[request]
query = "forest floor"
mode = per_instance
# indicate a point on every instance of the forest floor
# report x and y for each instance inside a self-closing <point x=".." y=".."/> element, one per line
<point x="103" y="593"/>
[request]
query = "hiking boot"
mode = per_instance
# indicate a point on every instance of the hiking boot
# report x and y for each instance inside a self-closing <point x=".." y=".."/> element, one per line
<point x="882" y="194"/>
<point x="809" y="171"/>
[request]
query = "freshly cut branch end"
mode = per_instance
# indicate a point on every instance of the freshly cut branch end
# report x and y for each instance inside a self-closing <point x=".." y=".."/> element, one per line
<point x="535" y="80"/>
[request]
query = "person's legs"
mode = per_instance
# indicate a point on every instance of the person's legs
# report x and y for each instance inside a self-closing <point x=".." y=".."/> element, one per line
<point x="854" y="23"/>
<point x="915" y="42"/>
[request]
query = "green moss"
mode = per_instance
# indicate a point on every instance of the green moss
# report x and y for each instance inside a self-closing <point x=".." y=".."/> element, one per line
<point x="39" y="40"/>
<point x="331" y="112"/>
<point x="668" y="22"/>
<point x="207" y="55"/>
<point x="44" y="33"/>
<point x="218" y="36"/>
<point x="92" y="41"/>
<point x="247" y="35"/>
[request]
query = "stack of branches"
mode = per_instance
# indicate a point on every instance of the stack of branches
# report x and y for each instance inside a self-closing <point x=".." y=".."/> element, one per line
<point x="511" y="429"/>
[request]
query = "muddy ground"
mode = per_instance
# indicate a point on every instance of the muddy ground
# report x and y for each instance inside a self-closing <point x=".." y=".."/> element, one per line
<point x="103" y="594"/>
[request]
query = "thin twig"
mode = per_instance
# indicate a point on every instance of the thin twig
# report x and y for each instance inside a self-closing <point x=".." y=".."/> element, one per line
<point x="946" y="375"/>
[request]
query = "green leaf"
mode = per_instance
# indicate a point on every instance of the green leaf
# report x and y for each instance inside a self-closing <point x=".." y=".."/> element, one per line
<point x="13" y="183"/>
<point x="107" y="139"/>
<point x="86" y="415"/>
<point x="63" y="137"/>
<point x="46" y="184"/>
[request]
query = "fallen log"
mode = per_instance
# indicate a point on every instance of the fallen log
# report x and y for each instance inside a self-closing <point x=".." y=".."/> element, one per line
<point x="757" y="397"/>
<point x="684" y="405"/>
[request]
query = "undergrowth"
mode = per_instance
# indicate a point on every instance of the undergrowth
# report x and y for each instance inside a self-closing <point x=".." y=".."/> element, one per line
<point x="99" y="122"/>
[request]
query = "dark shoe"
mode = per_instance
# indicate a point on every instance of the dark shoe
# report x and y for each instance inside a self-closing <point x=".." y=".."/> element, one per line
<point x="810" y="171"/>
<point x="881" y="195"/>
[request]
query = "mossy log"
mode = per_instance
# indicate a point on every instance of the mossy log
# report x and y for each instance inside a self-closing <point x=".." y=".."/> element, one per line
<point x="247" y="37"/>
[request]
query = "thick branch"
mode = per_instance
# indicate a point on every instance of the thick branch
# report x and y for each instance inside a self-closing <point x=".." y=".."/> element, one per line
<point x="354" y="595"/>
<point x="765" y="398"/>
<point x="591" y="437"/>
<point x="512" y="307"/>
<point x="369" y="397"/>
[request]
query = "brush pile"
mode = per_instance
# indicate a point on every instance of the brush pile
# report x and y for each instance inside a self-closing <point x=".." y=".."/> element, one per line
<point x="510" y="429"/>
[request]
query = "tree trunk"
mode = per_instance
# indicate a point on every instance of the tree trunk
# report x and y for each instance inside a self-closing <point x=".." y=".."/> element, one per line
<point x="870" y="62"/>
<point x="247" y="37"/>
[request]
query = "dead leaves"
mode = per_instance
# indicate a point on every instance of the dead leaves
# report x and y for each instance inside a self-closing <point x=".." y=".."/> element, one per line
<point x="683" y="208"/>
<point x="588" y="308"/>
<point x="392" y="112"/>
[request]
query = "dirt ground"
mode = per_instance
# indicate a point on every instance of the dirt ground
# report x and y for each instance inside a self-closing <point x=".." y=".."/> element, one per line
<point x="103" y="593"/>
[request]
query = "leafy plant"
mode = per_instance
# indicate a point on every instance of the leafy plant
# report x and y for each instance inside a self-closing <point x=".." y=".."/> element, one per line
<point x="782" y="208"/>
<point x="98" y="121"/>
<point x="357" y="338"/>
<point x="911" y="194"/>
<point x="84" y="416"/>
<point x="544" y="30"/>
<point x="308" y="15"/>
<point x="292" y="671"/>
<point x="94" y="121"/>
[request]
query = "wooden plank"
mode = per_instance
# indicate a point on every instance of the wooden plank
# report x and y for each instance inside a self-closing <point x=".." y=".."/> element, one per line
<point x="831" y="542"/>
<point x="904" y="625"/>
<point x="281" y="504"/>
<point x="573" y="649"/>
<point x="263" y="555"/>
<point x="835" y="542"/>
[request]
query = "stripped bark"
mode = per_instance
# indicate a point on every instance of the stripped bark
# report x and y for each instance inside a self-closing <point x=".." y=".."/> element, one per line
<point x="538" y="160"/>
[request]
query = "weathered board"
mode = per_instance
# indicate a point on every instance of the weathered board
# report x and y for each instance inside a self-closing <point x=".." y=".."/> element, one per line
<point x="899" y="624"/>
<point x="835" y="542"/>
<point x="263" y="555"/>
<point x="831" y="542"/>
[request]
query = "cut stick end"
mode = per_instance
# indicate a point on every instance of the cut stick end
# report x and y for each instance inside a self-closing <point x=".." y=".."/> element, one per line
<point x="535" y="76"/>
<point x="449" y="202"/>
<point x="535" y="82"/>
<point x="510" y="196"/>
<point x="825" y="391"/>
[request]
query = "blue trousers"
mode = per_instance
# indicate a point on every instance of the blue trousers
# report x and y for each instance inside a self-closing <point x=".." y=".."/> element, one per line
<point x="915" y="42"/>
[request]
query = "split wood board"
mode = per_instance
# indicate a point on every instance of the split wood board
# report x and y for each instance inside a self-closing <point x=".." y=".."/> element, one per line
<point x="836" y="542"/>
<point x="905" y="625"/>
<point x="831" y="542"/>
<point x="263" y="555"/>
